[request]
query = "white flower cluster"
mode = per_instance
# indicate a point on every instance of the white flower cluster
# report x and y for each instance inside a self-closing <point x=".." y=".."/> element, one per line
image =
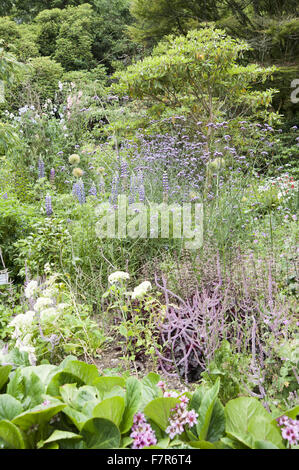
<point x="118" y="276"/>
<point x="31" y="289"/>
<point x="23" y="325"/>
<point x="45" y="309"/>
<point x="140" y="291"/>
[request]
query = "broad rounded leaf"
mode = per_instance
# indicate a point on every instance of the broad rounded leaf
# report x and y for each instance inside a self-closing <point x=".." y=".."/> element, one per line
<point x="159" y="410"/>
<point x="9" y="407"/>
<point x="111" y="409"/>
<point x="38" y="415"/>
<point x="11" y="435"/>
<point x="100" y="433"/>
<point x="248" y="421"/>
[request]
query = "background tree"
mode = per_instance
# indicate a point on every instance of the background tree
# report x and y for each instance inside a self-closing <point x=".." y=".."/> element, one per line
<point x="199" y="76"/>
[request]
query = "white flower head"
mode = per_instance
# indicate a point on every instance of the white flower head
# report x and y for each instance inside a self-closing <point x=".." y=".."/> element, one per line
<point x="31" y="289"/>
<point x="50" y="292"/>
<point x="141" y="290"/>
<point x="118" y="276"/>
<point x="23" y="321"/>
<point x="49" y="315"/>
<point x="42" y="302"/>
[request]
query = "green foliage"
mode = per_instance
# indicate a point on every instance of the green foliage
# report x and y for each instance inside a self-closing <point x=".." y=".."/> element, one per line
<point x="197" y="75"/>
<point x="14" y="224"/>
<point x="229" y="367"/>
<point x="247" y="422"/>
<point x="48" y="242"/>
<point x="78" y="414"/>
<point x="160" y="18"/>
<point x="43" y="77"/>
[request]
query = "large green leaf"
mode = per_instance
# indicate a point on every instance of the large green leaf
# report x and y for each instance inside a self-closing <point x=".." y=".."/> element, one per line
<point x="26" y="387"/>
<point x="106" y="384"/>
<point x="206" y="445"/>
<point x="248" y="421"/>
<point x="11" y="435"/>
<point x="58" y="436"/>
<point x="44" y="371"/>
<point x="77" y="417"/>
<point x="150" y="389"/>
<point x="59" y="379"/>
<point x="205" y="412"/>
<point x="9" y="407"/>
<point x="159" y="410"/>
<point x="100" y="433"/>
<point x="39" y="415"/>
<point x="132" y="402"/>
<point x="262" y="429"/>
<point x="217" y="423"/>
<point x="111" y="409"/>
<point x="264" y="445"/>
<point x="87" y="373"/>
<point x="84" y="397"/>
<point x="4" y="373"/>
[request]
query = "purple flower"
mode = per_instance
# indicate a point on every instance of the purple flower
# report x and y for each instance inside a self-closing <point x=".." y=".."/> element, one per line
<point x="49" y="210"/>
<point x="142" y="433"/>
<point x="79" y="191"/>
<point x="180" y="417"/>
<point x="41" y="168"/>
<point x="290" y="431"/>
<point x="93" y="190"/>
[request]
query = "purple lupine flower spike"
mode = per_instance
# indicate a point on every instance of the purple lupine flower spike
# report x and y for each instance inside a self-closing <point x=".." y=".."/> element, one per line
<point x="80" y="192"/>
<point x="41" y="168"/>
<point x="141" y="193"/>
<point x="49" y="210"/>
<point x="93" y="190"/>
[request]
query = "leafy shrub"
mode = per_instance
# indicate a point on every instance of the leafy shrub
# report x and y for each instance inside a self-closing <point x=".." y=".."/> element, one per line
<point x="49" y="242"/>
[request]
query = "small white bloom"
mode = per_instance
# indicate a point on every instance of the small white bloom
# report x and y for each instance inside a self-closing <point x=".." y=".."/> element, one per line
<point x="50" y="292"/>
<point x="118" y="276"/>
<point x="49" y="315"/>
<point x="22" y="322"/>
<point x="42" y="302"/>
<point x="31" y="289"/>
<point x="141" y="290"/>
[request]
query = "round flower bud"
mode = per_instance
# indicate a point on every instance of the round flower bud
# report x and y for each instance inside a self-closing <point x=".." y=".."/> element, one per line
<point x="74" y="159"/>
<point x="77" y="172"/>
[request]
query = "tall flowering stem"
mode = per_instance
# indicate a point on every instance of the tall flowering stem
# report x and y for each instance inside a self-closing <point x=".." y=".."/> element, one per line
<point x="41" y="168"/>
<point x="48" y="204"/>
